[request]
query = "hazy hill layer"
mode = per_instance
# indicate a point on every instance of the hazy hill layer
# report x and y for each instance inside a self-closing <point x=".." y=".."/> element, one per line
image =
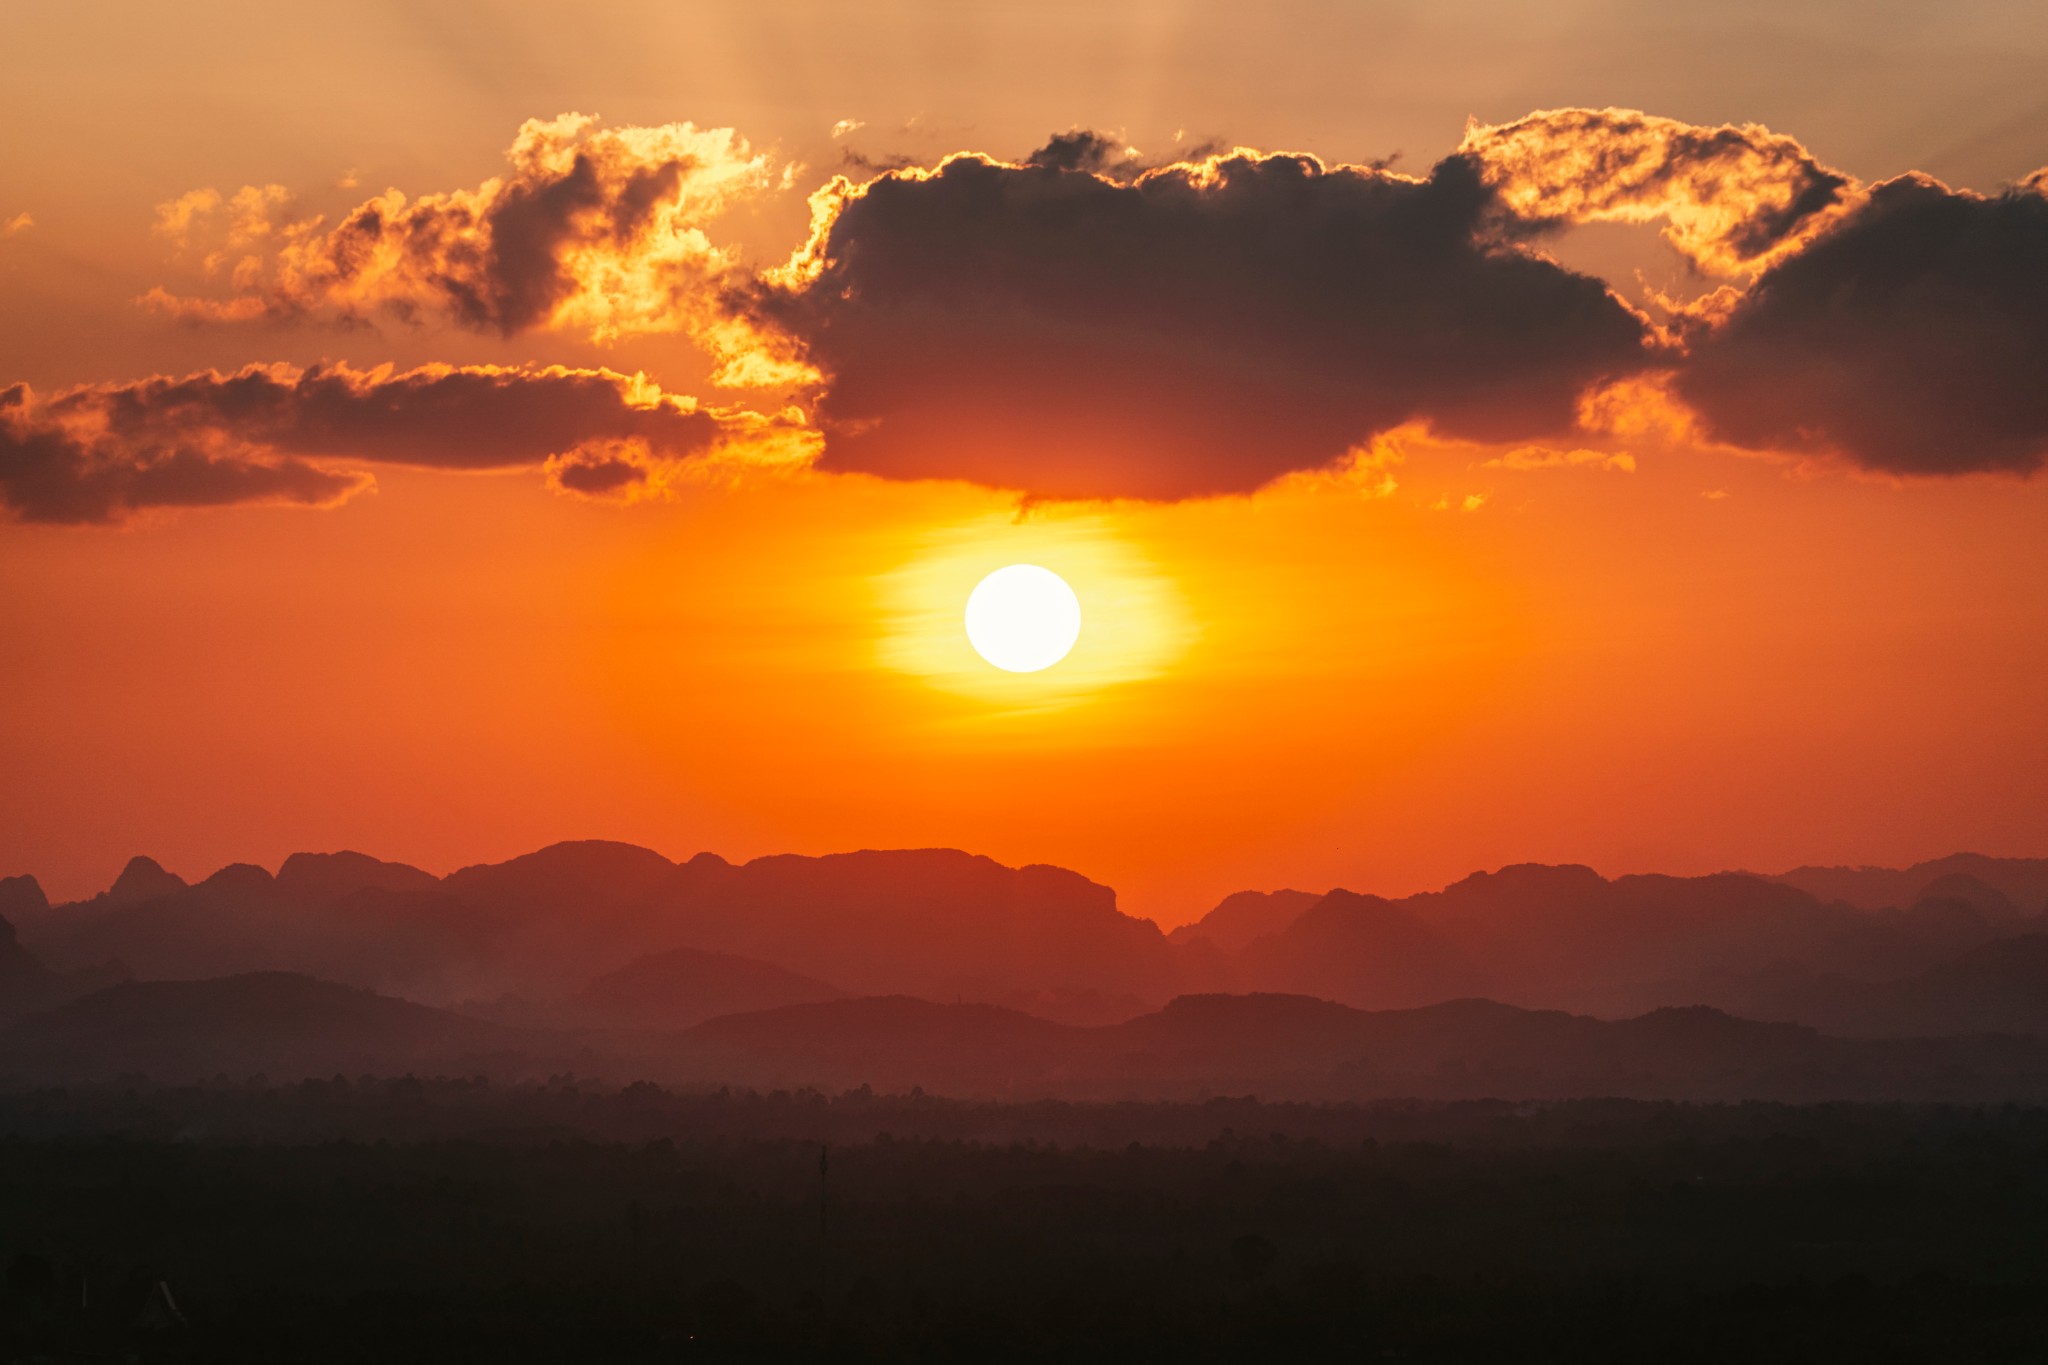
<point x="686" y="986"/>
<point x="1998" y="987"/>
<point x="26" y="985"/>
<point x="277" y="1023"/>
<point x="288" y="1026"/>
<point x="1281" y="1046"/>
<point x="24" y="981"/>
<point x="2022" y="881"/>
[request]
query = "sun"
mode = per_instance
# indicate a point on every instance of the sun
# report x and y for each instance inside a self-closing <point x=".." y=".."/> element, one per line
<point x="1023" y="618"/>
<point x="1138" y="622"/>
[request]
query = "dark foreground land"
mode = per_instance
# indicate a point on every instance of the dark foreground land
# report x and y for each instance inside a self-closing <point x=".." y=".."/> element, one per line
<point x="456" y="1221"/>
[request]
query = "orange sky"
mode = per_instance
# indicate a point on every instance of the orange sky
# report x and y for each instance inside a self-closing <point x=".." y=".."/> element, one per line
<point x="1382" y="678"/>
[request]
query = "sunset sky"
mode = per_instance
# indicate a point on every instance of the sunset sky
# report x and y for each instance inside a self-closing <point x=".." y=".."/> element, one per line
<point x="1602" y="433"/>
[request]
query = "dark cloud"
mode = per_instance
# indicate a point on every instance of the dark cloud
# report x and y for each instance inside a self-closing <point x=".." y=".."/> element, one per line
<point x="1200" y="329"/>
<point x="51" y="473"/>
<point x="95" y="453"/>
<point x="1912" y="338"/>
<point x="438" y="416"/>
<point x="1080" y="150"/>
<point x="597" y="475"/>
<point x="863" y="164"/>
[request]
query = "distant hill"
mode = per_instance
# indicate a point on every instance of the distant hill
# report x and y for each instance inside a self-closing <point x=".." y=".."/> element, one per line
<point x="1466" y="1047"/>
<point x="1083" y="1007"/>
<point x="2000" y="986"/>
<point x="21" y="898"/>
<point x="315" y="879"/>
<point x="686" y="986"/>
<point x="1364" y="950"/>
<point x="934" y="922"/>
<point x="278" y="1023"/>
<point x="26" y="985"/>
<point x="1535" y="935"/>
<point x="141" y="880"/>
<point x="587" y="879"/>
<point x="1281" y="1046"/>
<point x="239" y="919"/>
<point x="24" y="982"/>
<point x="893" y="1042"/>
<point x="1245" y="915"/>
<point x="931" y="922"/>
<point x="2021" y="881"/>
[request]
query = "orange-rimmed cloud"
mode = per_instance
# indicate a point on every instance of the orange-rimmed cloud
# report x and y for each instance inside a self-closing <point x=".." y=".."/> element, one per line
<point x="1197" y="328"/>
<point x="268" y="432"/>
<point x="595" y="230"/>
<point x="1732" y="198"/>
<point x="1910" y="338"/>
<point x="54" y="472"/>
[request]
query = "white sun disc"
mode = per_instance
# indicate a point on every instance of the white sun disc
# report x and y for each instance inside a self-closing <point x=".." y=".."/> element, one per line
<point x="1023" y="618"/>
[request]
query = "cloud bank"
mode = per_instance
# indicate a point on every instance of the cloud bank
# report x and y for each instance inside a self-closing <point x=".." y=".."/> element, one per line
<point x="270" y="433"/>
<point x="1083" y="323"/>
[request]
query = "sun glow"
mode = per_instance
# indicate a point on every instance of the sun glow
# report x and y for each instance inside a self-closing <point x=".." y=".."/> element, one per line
<point x="1025" y="584"/>
<point x="1022" y="618"/>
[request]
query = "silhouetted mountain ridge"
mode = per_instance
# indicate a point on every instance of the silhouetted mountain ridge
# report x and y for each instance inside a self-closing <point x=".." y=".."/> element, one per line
<point x="936" y="922"/>
<point x="2022" y="881"/>
<point x="943" y="924"/>
<point x="324" y="878"/>
<point x="141" y="880"/>
<point x="1245" y="915"/>
<point x="1566" y="937"/>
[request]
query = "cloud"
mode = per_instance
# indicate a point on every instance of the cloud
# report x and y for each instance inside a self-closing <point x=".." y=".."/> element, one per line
<point x="18" y="224"/>
<point x="1732" y="198"/>
<point x="265" y="433"/>
<point x="237" y="224"/>
<point x="847" y="125"/>
<point x="1197" y="328"/>
<point x="1911" y="338"/>
<point x="1085" y="150"/>
<point x="1548" y="457"/>
<point x="54" y="472"/>
<point x="594" y="230"/>
<point x="601" y="472"/>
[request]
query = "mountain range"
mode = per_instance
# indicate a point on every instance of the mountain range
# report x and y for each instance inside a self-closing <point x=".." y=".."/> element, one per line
<point x="932" y="922"/>
<point x="936" y="965"/>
